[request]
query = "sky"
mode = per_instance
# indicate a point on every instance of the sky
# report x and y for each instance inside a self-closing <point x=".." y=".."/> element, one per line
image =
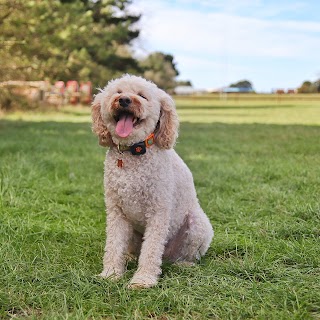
<point x="273" y="44"/>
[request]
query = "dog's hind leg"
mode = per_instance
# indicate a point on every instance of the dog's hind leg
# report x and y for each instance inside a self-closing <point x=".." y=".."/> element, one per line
<point x="173" y="251"/>
<point x="192" y="239"/>
<point x="200" y="235"/>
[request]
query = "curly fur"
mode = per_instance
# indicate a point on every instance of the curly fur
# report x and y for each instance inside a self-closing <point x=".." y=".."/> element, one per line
<point x="152" y="207"/>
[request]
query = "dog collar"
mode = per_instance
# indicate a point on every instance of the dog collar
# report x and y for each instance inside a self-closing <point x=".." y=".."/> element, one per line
<point x="138" y="148"/>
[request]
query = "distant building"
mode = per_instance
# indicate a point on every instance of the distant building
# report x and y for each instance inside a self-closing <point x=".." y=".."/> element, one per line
<point x="279" y="91"/>
<point x="214" y="90"/>
<point x="184" y="90"/>
<point x="237" y="90"/>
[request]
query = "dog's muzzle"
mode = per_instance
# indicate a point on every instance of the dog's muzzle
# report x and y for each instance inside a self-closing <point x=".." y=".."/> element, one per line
<point x="125" y="102"/>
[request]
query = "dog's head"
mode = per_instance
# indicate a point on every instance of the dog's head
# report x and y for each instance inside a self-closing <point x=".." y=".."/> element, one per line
<point x="129" y="109"/>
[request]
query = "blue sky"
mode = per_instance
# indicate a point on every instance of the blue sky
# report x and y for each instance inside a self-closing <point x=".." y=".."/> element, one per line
<point x="274" y="44"/>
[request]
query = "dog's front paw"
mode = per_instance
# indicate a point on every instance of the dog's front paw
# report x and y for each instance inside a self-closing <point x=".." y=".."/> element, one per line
<point x="142" y="280"/>
<point x="111" y="274"/>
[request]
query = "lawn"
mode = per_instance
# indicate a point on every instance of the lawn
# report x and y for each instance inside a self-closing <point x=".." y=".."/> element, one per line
<point x="256" y="167"/>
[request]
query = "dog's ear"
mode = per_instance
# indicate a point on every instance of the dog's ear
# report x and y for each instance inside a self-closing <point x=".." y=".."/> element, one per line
<point x="98" y="127"/>
<point x="167" y="128"/>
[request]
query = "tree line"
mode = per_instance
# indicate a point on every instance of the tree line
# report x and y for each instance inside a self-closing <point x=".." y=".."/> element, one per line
<point x="310" y="87"/>
<point x="84" y="40"/>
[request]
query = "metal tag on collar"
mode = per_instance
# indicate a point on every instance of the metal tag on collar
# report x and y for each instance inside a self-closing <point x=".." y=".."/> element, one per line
<point x="122" y="148"/>
<point x="119" y="149"/>
<point x="138" y="149"/>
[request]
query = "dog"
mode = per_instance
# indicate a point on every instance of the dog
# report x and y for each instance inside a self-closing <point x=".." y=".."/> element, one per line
<point x="152" y="208"/>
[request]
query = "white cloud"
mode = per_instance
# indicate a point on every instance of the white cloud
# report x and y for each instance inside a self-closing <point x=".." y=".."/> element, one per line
<point x="210" y="41"/>
<point x="214" y="33"/>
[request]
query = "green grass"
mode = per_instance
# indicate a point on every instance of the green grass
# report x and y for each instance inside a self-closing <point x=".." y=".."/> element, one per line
<point x="258" y="179"/>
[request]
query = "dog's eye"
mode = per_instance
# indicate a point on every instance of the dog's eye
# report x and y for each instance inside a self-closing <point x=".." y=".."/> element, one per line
<point x="142" y="96"/>
<point x="119" y="91"/>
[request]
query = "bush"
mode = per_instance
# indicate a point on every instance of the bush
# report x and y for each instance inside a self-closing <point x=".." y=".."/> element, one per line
<point x="10" y="101"/>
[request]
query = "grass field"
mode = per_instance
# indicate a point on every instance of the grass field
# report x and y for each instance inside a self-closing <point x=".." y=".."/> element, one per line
<point x="256" y="166"/>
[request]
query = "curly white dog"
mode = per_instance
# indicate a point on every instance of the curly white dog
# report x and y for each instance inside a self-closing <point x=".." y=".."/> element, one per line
<point x="152" y="207"/>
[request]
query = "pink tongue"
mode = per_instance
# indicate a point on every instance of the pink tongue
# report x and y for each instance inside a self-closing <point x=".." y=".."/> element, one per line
<point x="124" y="125"/>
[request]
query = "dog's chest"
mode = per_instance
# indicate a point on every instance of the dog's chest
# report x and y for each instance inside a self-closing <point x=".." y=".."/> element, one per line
<point x="132" y="186"/>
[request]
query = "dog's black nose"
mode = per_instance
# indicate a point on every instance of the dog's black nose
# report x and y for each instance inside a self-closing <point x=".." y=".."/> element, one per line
<point x="124" y="102"/>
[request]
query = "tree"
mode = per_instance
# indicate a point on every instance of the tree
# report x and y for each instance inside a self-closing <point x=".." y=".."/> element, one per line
<point x="317" y="86"/>
<point x="186" y="83"/>
<point x="310" y="87"/>
<point x="306" y="87"/>
<point x="161" y="69"/>
<point x="242" y="84"/>
<point x="114" y="33"/>
<point x="66" y="39"/>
